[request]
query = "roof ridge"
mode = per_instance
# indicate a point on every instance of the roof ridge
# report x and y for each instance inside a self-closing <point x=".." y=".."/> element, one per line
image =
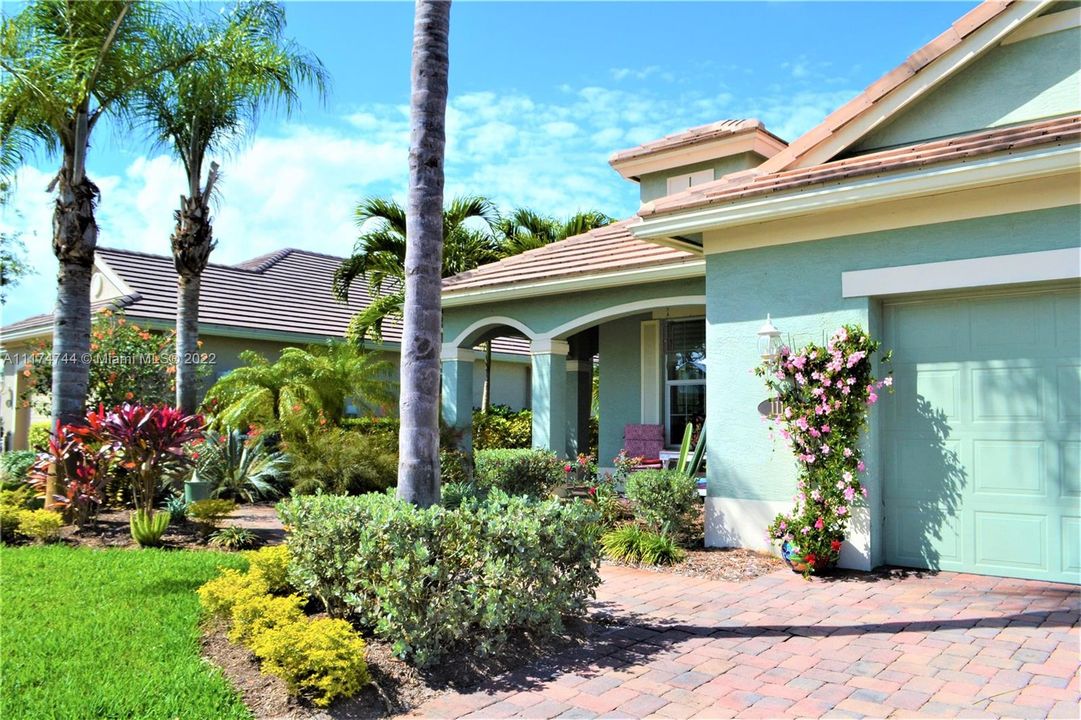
<point x="258" y="264"/>
<point x="927" y="54"/>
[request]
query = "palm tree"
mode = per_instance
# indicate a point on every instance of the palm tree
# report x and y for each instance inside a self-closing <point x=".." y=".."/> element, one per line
<point x="303" y="389"/>
<point x="66" y="65"/>
<point x="418" y="440"/>
<point x="379" y="255"/>
<point x="525" y="229"/>
<point x="209" y="108"/>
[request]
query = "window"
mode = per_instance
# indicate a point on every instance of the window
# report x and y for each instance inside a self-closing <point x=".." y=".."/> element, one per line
<point x="680" y="183"/>
<point x="684" y="376"/>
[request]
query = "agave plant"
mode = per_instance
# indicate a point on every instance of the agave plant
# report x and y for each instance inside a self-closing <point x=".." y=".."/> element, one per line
<point x="147" y="528"/>
<point x="239" y="468"/>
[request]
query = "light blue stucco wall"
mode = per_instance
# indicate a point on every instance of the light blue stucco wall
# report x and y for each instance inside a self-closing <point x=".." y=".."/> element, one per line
<point x="1023" y="81"/>
<point x="655" y="185"/>
<point x="620" y="357"/>
<point x="800" y="285"/>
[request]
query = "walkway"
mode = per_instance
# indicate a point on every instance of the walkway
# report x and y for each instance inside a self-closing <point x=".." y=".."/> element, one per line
<point x="896" y="645"/>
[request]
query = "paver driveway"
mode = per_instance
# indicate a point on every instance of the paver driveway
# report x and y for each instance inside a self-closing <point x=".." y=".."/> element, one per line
<point x="897" y="645"/>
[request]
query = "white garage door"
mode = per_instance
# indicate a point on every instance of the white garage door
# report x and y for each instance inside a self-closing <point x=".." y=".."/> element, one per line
<point x="982" y="443"/>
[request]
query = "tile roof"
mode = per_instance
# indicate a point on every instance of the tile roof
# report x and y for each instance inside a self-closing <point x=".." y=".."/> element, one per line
<point x="958" y="148"/>
<point x="608" y="249"/>
<point x="693" y="136"/>
<point x="866" y="101"/>
<point x="288" y="291"/>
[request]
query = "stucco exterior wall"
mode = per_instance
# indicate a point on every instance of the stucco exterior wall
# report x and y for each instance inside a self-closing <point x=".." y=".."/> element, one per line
<point x="1022" y="81"/>
<point x="800" y="286"/>
<point x="655" y="185"/>
<point x="620" y="358"/>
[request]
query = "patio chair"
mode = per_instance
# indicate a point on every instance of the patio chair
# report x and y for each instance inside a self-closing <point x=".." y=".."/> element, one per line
<point x="646" y="442"/>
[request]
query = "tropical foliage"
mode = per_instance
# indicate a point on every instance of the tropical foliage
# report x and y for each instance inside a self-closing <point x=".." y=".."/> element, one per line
<point x="304" y="389"/>
<point x="524" y="229"/>
<point x="208" y="108"/>
<point x="130" y="363"/>
<point x="822" y="399"/>
<point x="66" y="65"/>
<point x="342" y="462"/>
<point x="665" y="501"/>
<point x="238" y="467"/>
<point x="632" y="544"/>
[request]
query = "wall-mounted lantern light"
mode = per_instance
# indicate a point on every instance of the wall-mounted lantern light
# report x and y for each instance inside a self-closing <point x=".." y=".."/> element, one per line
<point x="769" y="341"/>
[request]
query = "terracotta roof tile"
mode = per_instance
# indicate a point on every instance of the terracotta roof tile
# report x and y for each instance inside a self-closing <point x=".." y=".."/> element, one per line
<point x="289" y="291"/>
<point x="985" y="142"/>
<point x="608" y="249"/>
<point x="693" y="136"/>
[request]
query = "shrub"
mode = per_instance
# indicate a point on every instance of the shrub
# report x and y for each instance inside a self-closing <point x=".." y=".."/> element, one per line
<point x="15" y="466"/>
<point x="238" y="467"/>
<point x="501" y="427"/>
<point x="220" y="595"/>
<point x="40" y="525"/>
<point x="666" y="501"/>
<point x="209" y="513"/>
<point x="147" y="528"/>
<point x="38" y="437"/>
<point x="9" y="522"/>
<point x="453" y="468"/>
<point x="632" y="544"/>
<point x="257" y="614"/>
<point x="272" y="565"/>
<point x="323" y="657"/>
<point x="342" y="462"/>
<point x="234" y="538"/>
<point x="519" y="472"/>
<point x="430" y="579"/>
<point x="81" y="465"/>
<point x="454" y="494"/>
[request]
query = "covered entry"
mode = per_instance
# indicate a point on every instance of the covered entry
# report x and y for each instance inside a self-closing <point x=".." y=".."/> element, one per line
<point x="982" y="441"/>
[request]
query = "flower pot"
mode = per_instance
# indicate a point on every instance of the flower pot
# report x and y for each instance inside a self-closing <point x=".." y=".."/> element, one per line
<point x="196" y="490"/>
<point x="799" y="564"/>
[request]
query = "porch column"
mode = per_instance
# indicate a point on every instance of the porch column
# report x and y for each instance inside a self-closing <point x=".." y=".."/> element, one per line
<point x="457" y="396"/>
<point x="549" y="359"/>
<point x="579" y="402"/>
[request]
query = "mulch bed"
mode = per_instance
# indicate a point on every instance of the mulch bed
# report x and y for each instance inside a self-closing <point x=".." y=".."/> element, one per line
<point x="727" y="564"/>
<point x="397" y="687"/>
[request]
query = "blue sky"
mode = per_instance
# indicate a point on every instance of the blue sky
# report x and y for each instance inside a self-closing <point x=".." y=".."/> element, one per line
<point x="541" y="94"/>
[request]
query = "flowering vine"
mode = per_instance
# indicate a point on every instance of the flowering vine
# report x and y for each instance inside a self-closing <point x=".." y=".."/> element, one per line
<point x="823" y="395"/>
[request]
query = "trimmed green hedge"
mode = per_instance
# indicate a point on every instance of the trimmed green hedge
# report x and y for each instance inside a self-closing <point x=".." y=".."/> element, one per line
<point x="436" y="580"/>
<point x="519" y="472"/>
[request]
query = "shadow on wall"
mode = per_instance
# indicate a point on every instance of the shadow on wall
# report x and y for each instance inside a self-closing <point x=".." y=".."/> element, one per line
<point x="930" y="501"/>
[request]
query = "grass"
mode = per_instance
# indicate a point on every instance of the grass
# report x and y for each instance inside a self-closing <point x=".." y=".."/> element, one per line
<point x="107" y="634"/>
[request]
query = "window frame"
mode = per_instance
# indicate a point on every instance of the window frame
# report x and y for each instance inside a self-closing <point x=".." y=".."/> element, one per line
<point x="667" y="384"/>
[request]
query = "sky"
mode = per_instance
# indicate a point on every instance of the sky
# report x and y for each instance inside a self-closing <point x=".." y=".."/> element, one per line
<point x="541" y="94"/>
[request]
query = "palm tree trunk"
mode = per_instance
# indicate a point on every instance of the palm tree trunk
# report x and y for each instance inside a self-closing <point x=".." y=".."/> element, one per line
<point x="418" y="440"/>
<point x="187" y="341"/>
<point x="192" y="242"/>
<point x="75" y="236"/>
<point x="486" y="398"/>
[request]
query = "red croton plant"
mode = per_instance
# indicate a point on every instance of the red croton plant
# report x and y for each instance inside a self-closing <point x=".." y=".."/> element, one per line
<point x="140" y="442"/>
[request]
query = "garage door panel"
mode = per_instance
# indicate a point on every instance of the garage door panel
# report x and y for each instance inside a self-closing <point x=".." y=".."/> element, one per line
<point x="1009" y="467"/>
<point x="1007" y="394"/>
<point x="1069" y="392"/>
<point x="1070" y="464"/>
<point x="927" y="535"/>
<point x="982" y="449"/>
<point x="1010" y="541"/>
<point x="1071" y="545"/>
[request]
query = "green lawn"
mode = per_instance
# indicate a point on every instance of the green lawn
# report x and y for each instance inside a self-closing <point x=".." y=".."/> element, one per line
<point x="107" y="634"/>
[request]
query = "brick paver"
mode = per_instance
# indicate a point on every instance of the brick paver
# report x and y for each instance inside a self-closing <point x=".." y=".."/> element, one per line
<point x="898" y="645"/>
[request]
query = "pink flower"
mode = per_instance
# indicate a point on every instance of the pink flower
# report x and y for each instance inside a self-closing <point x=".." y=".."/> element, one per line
<point x="840" y="485"/>
<point x="825" y="428"/>
<point x="864" y="491"/>
<point x="872" y="398"/>
<point x="566" y="468"/>
<point x="819" y="524"/>
<point x="861" y="466"/>
<point x="849" y="494"/>
<point x="847" y="476"/>
<point x="825" y="449"/>
<point x="848" y="452"/>
<point x="888" y="380"/>
<point x="842" y="510"/>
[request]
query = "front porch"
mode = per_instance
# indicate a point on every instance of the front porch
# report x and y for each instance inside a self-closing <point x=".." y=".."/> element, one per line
<point x="648" y="340"/>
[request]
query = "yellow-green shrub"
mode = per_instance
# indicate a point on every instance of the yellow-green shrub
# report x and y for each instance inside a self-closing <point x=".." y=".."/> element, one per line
<point x="40" y="525"/>
<point x="220" y="595"/>
<point x="9" y="521"/>
<point x="272" y="564"/>
<point x="322" y="657"/>
<point x="256" y="615"/>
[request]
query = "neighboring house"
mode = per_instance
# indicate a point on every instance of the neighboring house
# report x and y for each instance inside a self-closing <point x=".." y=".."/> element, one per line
<point x="264" y="304"/>
<point x="939" y="209"/>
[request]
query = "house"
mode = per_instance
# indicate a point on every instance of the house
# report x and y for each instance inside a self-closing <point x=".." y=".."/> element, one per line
<point x="264" y="304"/>
<point x="939" y="209"/>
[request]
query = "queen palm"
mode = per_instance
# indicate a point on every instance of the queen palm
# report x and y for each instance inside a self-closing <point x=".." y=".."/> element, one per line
<point x="208" y="108"/>
<point x="65" y="66"/>
<point x="379" y="255"/>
